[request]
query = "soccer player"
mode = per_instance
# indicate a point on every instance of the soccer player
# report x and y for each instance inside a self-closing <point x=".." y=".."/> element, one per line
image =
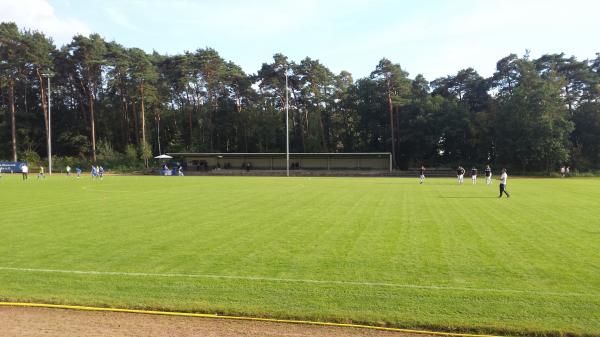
<point x="68" y="170"/>
<point x="460" y="174"/>
<point x="94" y="172"/>
<point x="474" y="175"/>
<point x="41" y="173"/>
<point x="503" y="179"/>
<point x="488" y="175"/>
<point x="421" y="174"/>
<point x="78" y="172"/>
<point x="25" y="171"/>
<point x="100" y="172"/>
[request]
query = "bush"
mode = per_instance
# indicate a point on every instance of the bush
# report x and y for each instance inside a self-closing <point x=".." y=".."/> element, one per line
<point x="105" y="152"/>
<point x="59" y="164"/>
<point x="106" y="156"/>
<point x="73" y="143"/>
<point x="131" y="153"/>
<point x="31" y="157"/>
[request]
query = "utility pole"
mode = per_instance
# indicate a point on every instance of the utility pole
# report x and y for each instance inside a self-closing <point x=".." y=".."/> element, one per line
<point x="287" y="122"/>
<point x="48" y="75"/>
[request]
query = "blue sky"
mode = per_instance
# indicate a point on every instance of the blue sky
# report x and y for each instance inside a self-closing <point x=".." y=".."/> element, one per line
<point x="435" y="38"/>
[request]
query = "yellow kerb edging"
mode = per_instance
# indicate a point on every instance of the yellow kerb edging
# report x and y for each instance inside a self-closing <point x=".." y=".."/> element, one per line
<point x="272" y="320"/>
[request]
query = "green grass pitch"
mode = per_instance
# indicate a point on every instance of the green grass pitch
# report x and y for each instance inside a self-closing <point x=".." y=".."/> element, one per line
<point x="383" y="251"/>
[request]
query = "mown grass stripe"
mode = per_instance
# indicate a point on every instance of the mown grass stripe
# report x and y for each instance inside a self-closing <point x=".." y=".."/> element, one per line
<point x="274" y="279"/>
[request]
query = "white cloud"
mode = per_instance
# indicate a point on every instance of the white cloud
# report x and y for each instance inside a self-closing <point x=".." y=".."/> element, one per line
<point x="40" y="15"/>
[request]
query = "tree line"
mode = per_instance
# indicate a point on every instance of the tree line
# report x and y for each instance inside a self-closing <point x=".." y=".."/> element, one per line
<point x="109" y="101"/>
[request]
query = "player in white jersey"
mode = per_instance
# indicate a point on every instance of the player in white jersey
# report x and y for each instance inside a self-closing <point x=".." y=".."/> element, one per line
<point x="460" y="174"/>
<point x="503" y="179"/>
<point x="488" y="175"/>
<point x="25" y="171"/>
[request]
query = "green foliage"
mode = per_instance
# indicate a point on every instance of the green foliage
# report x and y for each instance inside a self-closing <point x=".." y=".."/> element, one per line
<point x="73" y="144"/>
<point x="114" y="160"/>
<point x="533" y="127"/>
<point x="131" y="153"/>
<point x="145" y="151"/>
<point x="587" y="135"/>
<point x="60" y="164"/>
<point x="531" y="114"/>
<point x="31" y="157"/>
<point x="105" y="151"/>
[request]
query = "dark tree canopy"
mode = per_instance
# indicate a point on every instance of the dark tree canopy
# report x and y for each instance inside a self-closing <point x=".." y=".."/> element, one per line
<point x="109" y="101"/>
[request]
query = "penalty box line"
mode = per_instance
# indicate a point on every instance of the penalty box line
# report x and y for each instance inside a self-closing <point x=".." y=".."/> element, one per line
<point x="289" y="280"/>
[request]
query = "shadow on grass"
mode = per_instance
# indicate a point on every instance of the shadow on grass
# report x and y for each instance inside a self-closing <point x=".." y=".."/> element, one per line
<point x="469" y="197"/>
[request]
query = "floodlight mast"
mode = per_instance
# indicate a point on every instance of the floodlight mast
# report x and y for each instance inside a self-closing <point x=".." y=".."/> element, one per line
<point x="48" y="75"/>
<point x="287" y="132"/>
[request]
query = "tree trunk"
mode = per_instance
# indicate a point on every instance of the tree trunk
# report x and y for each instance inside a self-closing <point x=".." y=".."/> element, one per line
<point x="92" y="125"/>
<point x="391" y="110"/>
<point x="302" y="132"/>
<point x="135" y="124"/>
<point x="245" y="121"/>
<point x="189" y="126"/>
<point x="13" y="120"/>
<point x="44" y="104"/>
<point x="324" y="142"/>
<point x="125" y="118"/>
<point x="186" y="105"/>
<point x="215" y="130"/>
<point x="397" y="140"/>
<point x="157" y="114"/>
<point x="143" y="120"/>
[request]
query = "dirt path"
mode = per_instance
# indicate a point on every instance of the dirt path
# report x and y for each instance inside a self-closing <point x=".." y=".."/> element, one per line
<point x="44" y="322"/>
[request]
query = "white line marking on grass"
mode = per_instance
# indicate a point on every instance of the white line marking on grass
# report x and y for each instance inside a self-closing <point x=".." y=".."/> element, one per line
<point x="274" y="279"/>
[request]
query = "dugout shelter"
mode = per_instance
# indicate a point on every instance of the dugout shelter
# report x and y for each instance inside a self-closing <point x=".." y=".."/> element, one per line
<point x="277" y="161"/>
